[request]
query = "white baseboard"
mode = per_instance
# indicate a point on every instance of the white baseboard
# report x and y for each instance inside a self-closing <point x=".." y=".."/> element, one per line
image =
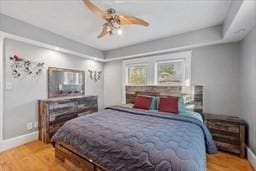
<point x="251" y="157"/>
<point x="17" y="141"/>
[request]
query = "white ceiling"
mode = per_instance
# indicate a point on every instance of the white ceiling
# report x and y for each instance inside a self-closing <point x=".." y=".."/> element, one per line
<point x="71" y="19"/>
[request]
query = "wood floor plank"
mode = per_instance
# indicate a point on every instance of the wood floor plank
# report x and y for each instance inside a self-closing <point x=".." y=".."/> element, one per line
<point x="37" y="156"/>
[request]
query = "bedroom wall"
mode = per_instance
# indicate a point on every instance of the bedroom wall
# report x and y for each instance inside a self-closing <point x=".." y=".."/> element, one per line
<point x="215" y="67"/>
<point x="20" y="103"/>
<point x="113" y="83"/>
<point x="248" y="84"/>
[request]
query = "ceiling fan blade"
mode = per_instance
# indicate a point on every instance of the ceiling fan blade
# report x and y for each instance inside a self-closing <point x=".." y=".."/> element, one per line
<point x="123" y="20"/>
<point x="103" y="33"/>
<point x="96" y="10"/>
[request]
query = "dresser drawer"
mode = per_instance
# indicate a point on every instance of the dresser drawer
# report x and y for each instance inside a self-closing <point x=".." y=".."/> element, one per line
<point x="223" y="126"/>
<point x="62" y="117"/>
<point x="86" y="112"/>
<point x="54" y="128"/>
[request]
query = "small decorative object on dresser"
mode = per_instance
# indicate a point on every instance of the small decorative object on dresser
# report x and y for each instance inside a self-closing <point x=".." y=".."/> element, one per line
<point x="229" y="132"/>
<point x="53" y="113"/>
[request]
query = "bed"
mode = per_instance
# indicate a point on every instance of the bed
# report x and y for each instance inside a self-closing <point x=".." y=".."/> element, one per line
<point x="123" y="138"/>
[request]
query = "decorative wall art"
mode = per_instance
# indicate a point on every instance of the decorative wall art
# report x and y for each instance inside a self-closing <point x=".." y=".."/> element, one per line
<point x="95" y="75"/>
<point x="21" y="66"/>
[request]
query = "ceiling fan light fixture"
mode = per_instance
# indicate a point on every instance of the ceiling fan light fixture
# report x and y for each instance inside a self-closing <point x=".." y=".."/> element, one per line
<point x="119" y="31"/>
<point x="113" y="21"/>
<point x="109" y="29"/>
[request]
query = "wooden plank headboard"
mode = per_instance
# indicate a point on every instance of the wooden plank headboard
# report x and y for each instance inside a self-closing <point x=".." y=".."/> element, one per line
<point x="193" y="95"/>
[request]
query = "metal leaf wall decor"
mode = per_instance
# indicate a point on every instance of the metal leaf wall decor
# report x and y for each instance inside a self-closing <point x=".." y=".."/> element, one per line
<point x="95" y="75"/>
<point x="21" y="66"/>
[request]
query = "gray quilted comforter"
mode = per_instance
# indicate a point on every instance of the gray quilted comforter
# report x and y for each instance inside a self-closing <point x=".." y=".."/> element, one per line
<point x="121" y="138"/>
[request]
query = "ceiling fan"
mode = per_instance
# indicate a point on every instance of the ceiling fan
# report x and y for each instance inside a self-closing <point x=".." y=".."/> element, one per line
<point x="113" y="21"/>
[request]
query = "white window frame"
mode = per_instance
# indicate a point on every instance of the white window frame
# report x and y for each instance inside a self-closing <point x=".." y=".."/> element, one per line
<point x="166" y="62"/>
<point x="137" y="65"/>
<point x="152" y="62"/>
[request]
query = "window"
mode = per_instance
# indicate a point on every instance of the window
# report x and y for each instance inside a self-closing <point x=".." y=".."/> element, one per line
<point x="172" y="71"/>
<point x="165" y="69"/>
<point x="137" y="74"/>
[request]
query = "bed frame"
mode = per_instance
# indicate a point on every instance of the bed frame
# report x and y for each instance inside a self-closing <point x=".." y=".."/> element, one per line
<point x="75" y="161"/>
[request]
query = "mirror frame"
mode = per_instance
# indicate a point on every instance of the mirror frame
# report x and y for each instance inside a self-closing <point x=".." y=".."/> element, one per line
<point x="51" y="69"/>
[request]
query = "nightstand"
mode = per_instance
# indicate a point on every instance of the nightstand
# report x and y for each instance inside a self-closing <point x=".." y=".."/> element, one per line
<point x="229" y="132"/>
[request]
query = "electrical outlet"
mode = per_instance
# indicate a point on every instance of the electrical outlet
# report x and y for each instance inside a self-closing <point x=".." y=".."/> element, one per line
<point x="29" y="125"/>
<point x="35" y="124"/>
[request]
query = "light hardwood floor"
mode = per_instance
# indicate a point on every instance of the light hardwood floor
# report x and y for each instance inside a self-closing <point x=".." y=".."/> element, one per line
<point x="37" y="156"/>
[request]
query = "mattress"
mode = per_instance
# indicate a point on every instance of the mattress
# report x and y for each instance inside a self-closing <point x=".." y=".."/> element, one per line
<point x="121" y="138"/>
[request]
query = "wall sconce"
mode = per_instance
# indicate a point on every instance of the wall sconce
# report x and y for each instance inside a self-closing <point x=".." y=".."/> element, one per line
<point x="20" y="65"/>
<point x="95" y="75"/>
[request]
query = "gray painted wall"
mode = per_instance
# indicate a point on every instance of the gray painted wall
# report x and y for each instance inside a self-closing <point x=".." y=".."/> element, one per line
<point x="215" y="67"/>
<point x="20" y="103"/>
<point x="113" y="83"/>
<point x="248" y="84"/>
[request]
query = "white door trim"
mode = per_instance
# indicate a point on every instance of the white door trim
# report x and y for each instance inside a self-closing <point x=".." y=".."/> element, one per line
<point x="1" y="87"/>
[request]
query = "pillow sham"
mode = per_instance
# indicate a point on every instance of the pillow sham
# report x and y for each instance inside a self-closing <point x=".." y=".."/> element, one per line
<point x="193" y="115"/>
<point x="182" y="105"/>
<point x="169" y="104"/>
<point x="142" y="102"/>
<point x="154" y="103"/>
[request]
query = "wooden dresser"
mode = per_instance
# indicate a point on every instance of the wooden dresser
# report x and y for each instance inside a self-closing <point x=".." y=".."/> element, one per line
<point x="53" y="113"/>
<point x="229" y="133"/>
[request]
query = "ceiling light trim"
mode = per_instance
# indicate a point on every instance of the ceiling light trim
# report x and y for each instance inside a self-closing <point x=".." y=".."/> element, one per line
<point x="48" y="46"/>
<point x="166" y="50"/>
<point x="71" y="52"/>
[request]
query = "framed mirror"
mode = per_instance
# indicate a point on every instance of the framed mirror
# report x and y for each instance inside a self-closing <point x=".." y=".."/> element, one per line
<point x="65" y="82"/>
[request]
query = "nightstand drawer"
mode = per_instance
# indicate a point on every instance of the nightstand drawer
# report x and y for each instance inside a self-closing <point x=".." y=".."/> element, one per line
<point x="228" y="147"/>
<point x="223" y="126"/>
<point x="226" y="139"/>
